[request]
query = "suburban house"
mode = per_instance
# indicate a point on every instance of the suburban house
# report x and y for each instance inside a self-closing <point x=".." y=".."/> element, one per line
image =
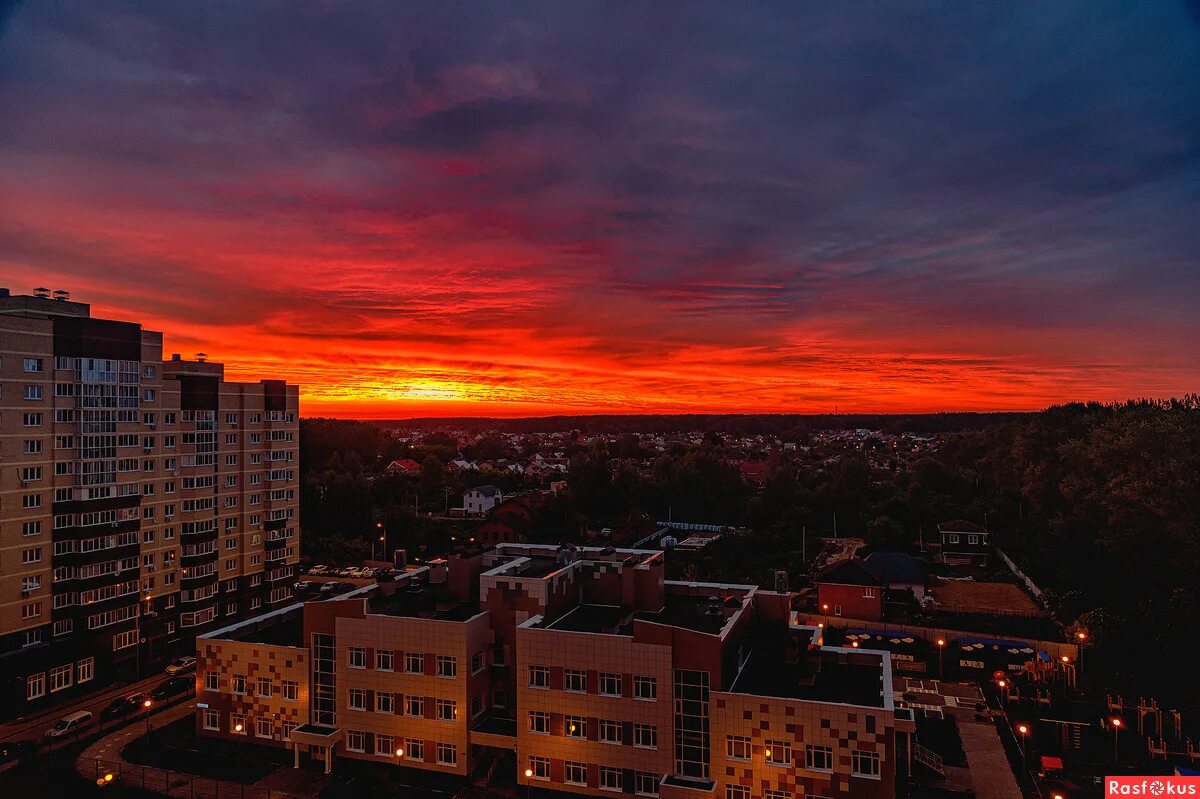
<point x="481" y="499"/>
<point x="899" y="572"/>
<point x="850" y="588"/>
<point x="404" y="466"/>
<point x="964" y="542"/>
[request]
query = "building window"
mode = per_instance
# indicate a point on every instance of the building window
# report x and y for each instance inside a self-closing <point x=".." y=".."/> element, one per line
<point x="610" y="684"/>
<point x="737" y="747"/>
<point x="772" y="793"/>
<point x="212" y="720"/>
<point x="414" y="706"/>
<point x="818" y="758"/>
<point x="610" y="731"/>
<point x="289" y="690"/>
<point x="973" y="540"/>
<point x="645" y="688"/>
<point x="737" y="792"/>
<point x="211" y="681"/>
<point x="239" y="684"/>
<point x="539" y="722"/>
<point x="237" y="724"/>
<point x="384" y="659"/>
<point x="447" y="666"/>
<point x="477" y="662"/>
<point x="414" y="748"/>
<point x="574" y="773"/>
<point x="447" y="754"/>
<point x="645" y="736"/>
<point x="86" y="670"/>
<point x="414" y="663"/>
<point x="35" y="686"/>
<point x="263" y="728"/>
<point x="447" y="710"/>
<point x="385" y="745"/>
<point x="952" y="538"/>
<point x="264" y="687"/>
<point x="540" y="766"/>
<point x="778" y="753"/>
<point x="288" y="726"/>
<point x="575" y="727"/>
<point x="385" y="702"/>
<point x="864" y="764"/>
<point x="868" y="593"/>
<point x="356" y="741"/>
<point x="358" y="657"/>
<point x="575" y="680"/>
<point x="33" y="364"/>
<point x="539" y="676"/>
<point x="611" y="779"/>
<point x="645" y="783"/>
<point x="61" y="677"/>
<point x="358" y="699"/>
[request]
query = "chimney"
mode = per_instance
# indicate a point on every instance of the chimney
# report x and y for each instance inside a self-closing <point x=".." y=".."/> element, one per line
<point x="61" y="295"/>
<point x="5" y="293"/>
<point x="201" y="357"/>
<point x="176" y="357"/>
<point x="41" y="292"/>
<point x="437" y="571"/>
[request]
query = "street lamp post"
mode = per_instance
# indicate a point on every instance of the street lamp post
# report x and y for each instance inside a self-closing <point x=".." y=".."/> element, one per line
<point x="237" y="728"/>
<point x="1023" y="731"/>
<point x="146" y="740"/>
<point x="1116" y="728"/>
<point x="1081" y="636"/>
<point x="1003" y="692"/>
<point x="941" y="644"/>
<point x="382" y="540"/>
<point x="528" y="776"/>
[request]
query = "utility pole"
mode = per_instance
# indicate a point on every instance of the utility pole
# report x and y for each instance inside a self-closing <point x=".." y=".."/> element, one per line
<point x="835" y="525"/>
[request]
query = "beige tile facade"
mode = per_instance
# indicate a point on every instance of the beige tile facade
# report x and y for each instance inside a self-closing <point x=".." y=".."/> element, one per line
<point x="617" y="676"/>
<point x="140" y="500"/>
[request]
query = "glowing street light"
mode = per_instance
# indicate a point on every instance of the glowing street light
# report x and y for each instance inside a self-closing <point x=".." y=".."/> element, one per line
<point x="1116" y="728"/>
<point x="1024" y="733"/>
<point x="528" y="773"/>
<point x="399" y="752"/>
<point x="238" y="729"/>
<point x="941" y="645"/>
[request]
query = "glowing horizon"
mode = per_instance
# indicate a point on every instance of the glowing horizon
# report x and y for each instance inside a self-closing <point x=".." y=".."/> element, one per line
<point x="524" y="211"/>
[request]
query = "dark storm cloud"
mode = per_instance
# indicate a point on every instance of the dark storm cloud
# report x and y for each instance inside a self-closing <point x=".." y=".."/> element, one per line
<point x="741" y="174"/>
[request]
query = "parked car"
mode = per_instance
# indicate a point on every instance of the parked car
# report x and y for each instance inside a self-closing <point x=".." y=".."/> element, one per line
<point x="125" y="706"/>
<point x="302" y="585"/>
<point x="171" y="688"/>
<point x="318" y="569"/>
<point x="181" y="665"/>
<point x="17" y="750"/>
<point x="71" y="724"/>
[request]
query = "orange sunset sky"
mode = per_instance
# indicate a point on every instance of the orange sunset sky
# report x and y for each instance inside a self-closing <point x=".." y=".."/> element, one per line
<point x="593" y="209"/>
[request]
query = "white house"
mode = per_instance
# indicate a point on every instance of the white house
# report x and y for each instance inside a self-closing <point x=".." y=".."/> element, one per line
<point x="481" y="499"/>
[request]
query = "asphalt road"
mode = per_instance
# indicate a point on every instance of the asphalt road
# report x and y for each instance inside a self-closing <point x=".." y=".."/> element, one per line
<point x="34" y="726"/>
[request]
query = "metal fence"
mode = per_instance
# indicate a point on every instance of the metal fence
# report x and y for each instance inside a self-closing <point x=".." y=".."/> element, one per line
<point x="179" y="784"/>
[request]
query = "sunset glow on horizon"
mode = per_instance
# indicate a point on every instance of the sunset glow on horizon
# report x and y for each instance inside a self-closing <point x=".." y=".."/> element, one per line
<point x="537" y="210"/>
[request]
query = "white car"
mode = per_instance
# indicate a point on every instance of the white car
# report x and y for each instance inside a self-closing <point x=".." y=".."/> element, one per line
<point x="180" y="665"/>
<point x="318" y="569"/>
<point x="303" y="585"/>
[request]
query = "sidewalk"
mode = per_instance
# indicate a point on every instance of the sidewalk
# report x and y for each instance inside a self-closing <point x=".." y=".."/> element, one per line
<point x="991" y="775"/>
<point x="104" y="757"/>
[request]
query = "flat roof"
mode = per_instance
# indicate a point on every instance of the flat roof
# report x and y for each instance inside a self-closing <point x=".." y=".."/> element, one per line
<point x="288" y="631"/>
<point x="820" y="678"/>
<point x="429" y="603"/>
<point x="610" y="619"/>
<point x="692" y="613"/>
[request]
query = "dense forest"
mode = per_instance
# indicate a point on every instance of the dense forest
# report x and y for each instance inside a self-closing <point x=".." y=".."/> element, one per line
<point x="1100" y="504"/>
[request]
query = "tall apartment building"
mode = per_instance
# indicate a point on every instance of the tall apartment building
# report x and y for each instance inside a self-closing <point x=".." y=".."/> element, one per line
<point x="572" y="670"/>
<point x="141" y="501"/>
